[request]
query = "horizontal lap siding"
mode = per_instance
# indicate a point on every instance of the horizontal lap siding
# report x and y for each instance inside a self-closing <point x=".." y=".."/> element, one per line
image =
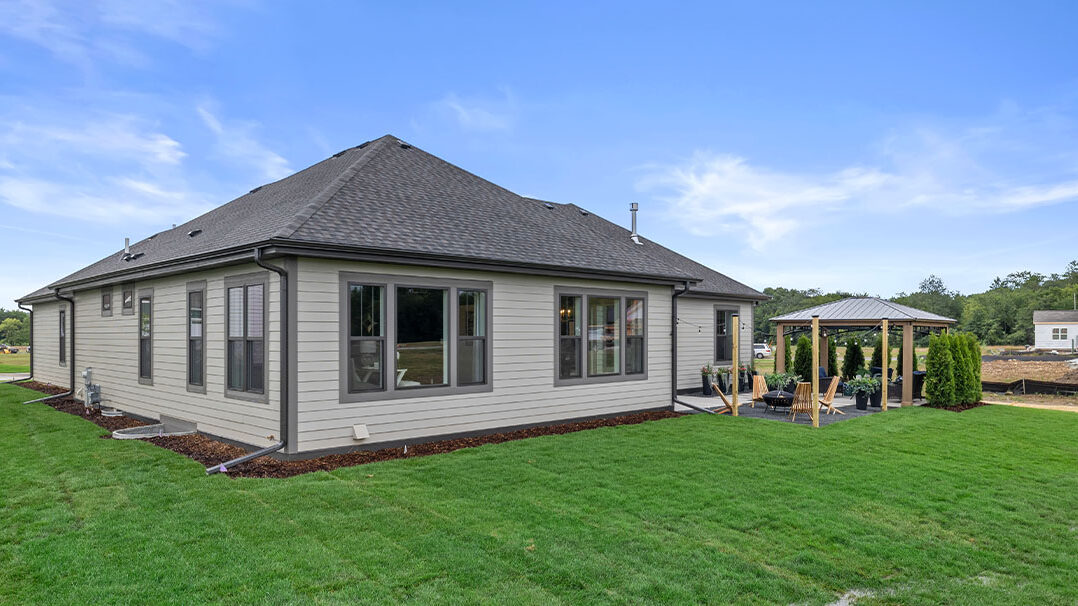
<point x="46" y="345"/>
<point x="523" y="363"/>
<point x="696" y="336"/>
<point x="110" y="345"/>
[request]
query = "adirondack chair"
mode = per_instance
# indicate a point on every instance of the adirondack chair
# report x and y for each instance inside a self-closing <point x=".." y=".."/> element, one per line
<point x="828" y="400"/>
<point x="802" y="400"/>
<point x="729" y="407"/>
<point x="759" y="388"/>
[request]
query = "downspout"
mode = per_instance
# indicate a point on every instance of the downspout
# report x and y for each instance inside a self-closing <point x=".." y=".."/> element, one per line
<point x="71" y="362"/>
<point x="673" y="356"/>
<point x="29" y="310"/>
<point x="285" y="367"/>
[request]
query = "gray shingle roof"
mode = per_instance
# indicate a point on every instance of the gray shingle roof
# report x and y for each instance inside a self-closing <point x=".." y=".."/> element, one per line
<point x="388" y="197"/>
<point x="862" y="308"/>
<point x="1052" y="315"/>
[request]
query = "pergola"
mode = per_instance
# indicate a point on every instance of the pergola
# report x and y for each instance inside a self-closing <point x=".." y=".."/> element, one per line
<point x="866" y="313"/>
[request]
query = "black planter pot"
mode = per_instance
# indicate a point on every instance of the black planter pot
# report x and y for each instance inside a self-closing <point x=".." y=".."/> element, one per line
<point x="861" y="401"/>
<point x="707" y="384"/>
<point x="790" y="387"/>
<point x="875" y="398"/>
<point x="721" y="382"/>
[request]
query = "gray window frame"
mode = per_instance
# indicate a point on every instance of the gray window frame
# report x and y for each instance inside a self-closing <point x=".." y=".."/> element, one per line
<point x="127" y="311"/>
<point x="733" y="310"/>
<point x="199" y="287"/>
<point x="390" y="284"/>
<point x="106" y="292"/>
<point x="585" y="293"/>
<point x="63" y="337"/>
<point x="143" y="293"/>
<point x="243" y="281"/>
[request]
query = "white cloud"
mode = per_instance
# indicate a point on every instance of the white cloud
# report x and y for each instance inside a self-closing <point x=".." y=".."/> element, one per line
<point x="480" y="114"/>
<point x="1002" y="167"/>
<point x="235" y="143"/>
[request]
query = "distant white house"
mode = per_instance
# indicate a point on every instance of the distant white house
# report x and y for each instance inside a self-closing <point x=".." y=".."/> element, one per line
<point x="1055" y="329"/>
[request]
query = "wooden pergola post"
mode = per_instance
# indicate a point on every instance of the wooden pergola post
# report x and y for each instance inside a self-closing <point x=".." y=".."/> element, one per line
<point x="907" y="364"/>
<point x="780" y="348"/>
<point x="815" y="375"/>
<point x="736" y="321"/>
<point x="886" y="358"/>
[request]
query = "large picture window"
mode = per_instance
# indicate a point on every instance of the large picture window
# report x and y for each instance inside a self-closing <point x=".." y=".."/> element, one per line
<point x="600" y="336"/>
<point x="245" y="356"/>
<point x="408" y="337"/>
<point x="145" y="338"/>
<point x="196" y="336"/>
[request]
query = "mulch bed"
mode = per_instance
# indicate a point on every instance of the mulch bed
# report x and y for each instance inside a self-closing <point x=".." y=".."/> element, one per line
<point x="208" y="451"/>
<point x="959" y="407"/>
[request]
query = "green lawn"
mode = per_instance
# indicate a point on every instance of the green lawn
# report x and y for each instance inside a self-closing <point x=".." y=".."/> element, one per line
<point x="19" y="362"/>
<point x="916" y="505"/>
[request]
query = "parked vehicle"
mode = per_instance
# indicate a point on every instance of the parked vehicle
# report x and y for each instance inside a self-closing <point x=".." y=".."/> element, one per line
<point x="761" y="350"/>
<point x="7" y="349"/>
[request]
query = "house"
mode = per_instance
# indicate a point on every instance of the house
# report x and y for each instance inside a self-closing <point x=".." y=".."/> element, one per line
<point x="1055" y="329"/>
<point x="382" y="297"/>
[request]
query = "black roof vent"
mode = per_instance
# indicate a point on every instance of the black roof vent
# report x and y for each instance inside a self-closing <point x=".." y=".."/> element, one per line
<point x="548" y="205"/>
<point x="584" y="212"/>
<point x="340" y="153"/>
<point x="132" y="257"/>
<point x="252" y="191"/>
<point x="403" y="144"/>
<point x="362" y="145"/>
<point x="193" y="233"/>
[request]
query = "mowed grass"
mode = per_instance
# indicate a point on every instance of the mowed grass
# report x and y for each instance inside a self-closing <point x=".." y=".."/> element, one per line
<point x="19" y="362"/>
<point x="914" y="505"/>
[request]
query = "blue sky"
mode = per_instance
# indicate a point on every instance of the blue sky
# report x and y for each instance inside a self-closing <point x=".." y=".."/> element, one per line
<point x="857" y="146"/>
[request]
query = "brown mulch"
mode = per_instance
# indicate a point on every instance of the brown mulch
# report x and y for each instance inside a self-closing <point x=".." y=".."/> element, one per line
<point x="45" y="388"/>
<point x="208" y="451"/>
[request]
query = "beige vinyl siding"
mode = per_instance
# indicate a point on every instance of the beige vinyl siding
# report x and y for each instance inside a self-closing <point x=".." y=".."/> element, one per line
<point x="46" y="345"/>
<point x="696" y="336"/>
<point x="110" y="346"/>
<point x="523" y="363"/>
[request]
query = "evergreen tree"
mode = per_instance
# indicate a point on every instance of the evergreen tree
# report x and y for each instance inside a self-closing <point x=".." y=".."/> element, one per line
<point x="854" y="361"/>
<point x="832" y="357"/>
<point x="963" y="369"/>
<point x="803" y="360"/>
<point x="939" y="383"/>
<point x="787" y="354"/>
<point x="877" y="353"/>
<point x="973" y="359"/>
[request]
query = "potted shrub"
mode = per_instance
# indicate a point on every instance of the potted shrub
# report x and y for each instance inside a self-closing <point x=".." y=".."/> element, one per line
<point x="744" y="383"/>
<point x="722" y="374"/>
<point x="775" y="380"/>
<point x="705" y="375"/>
<point x="862" y="387"/>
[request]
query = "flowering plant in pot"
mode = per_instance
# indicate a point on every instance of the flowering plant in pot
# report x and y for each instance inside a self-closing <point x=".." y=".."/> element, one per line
<point x="706" y="371"/>
<point x="722" y="374"/>
<point x="744" y="382"/>
<point x="862" y="386"/>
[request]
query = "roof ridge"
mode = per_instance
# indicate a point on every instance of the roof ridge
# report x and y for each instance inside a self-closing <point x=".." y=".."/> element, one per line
<point x="330" y="190"/>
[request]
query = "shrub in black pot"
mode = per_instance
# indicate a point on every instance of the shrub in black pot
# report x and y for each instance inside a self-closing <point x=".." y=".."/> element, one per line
<point x="863" y="388"/>
<point x="705" y="376"/>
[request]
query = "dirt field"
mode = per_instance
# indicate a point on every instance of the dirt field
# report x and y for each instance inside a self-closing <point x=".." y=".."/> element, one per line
<point x="1005" y="371"/>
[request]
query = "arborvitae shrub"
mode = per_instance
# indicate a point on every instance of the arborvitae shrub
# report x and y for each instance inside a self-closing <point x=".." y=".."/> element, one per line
<point x="963" y="369"/>
<point x="803" y="359"/>
<point x="787" y="354"/>
<point x="832" y="357"/>
<point x="877" y="353"/>
<point x="968" y="342"/>
<point x="940" y="366"/>
<point x="854" y="360"/>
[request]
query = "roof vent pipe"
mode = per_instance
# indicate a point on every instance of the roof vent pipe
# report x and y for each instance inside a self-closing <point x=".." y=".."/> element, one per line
<point x="127" y="246"/>
<point x="633" y="207"/>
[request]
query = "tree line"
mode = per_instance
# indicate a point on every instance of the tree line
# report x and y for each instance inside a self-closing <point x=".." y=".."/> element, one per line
<point x="14" y="327"/>
<point x="1001" y="315"/>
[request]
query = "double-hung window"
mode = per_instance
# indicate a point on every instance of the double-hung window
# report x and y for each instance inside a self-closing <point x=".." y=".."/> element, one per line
<point x="411" y="337"/>
<point x="196" y="337"/>
<point x="600" y="336"/>
<point x="245" y="355"/>
<point x="63" y="337"/>
<point x="106" y="304"/>
<point x="145" y="337"/>
<point x="1059" y="334"/>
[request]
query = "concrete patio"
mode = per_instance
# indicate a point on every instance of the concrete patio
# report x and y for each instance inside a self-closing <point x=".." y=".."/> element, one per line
<point x="761" y="411"/>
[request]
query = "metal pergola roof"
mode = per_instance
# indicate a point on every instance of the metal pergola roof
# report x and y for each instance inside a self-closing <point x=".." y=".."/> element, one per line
<point x="860" y="311"/>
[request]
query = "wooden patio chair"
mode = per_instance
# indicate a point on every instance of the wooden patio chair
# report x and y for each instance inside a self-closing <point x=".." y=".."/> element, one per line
<point x="802" y="400"/>
<point x="729" y="407"/>
<point x="828" y="400"/>
<point x="759" y="388"/>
